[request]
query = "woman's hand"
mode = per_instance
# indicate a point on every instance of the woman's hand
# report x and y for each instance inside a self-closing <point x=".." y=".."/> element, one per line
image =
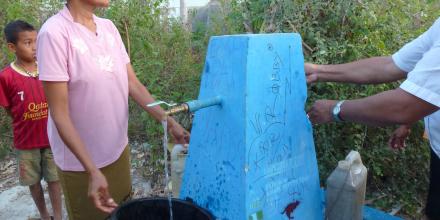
<point x="99" y="193"/>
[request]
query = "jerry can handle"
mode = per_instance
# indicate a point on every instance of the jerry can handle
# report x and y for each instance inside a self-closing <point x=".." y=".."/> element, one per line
<point x="354" y="158"/>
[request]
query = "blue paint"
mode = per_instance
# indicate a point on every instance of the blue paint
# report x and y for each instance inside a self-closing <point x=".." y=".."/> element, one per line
<point x="374" y="214"/>
<point x="368" y="212"/>
<point x="255" y="152"/>
<point x="196" y="105"/>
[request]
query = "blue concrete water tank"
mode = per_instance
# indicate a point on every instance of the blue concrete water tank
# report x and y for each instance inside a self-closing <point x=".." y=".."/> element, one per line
<point x="253" y="157"/>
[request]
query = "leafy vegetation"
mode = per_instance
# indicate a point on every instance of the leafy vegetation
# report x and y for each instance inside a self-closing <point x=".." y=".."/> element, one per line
<point x="343" y="31"/>
<point x="168" y="59"/>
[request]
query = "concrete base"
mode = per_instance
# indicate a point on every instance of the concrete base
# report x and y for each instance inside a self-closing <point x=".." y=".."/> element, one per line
<point x="374" y="214"/>
<point x="369" y="213"/>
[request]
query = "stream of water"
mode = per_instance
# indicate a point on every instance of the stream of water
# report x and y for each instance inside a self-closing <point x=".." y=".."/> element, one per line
<point x="167" y="177"/>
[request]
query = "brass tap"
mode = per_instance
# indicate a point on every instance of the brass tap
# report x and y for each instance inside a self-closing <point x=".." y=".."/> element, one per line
<point x="190" y="106"/>
<point x="176" y="109"/>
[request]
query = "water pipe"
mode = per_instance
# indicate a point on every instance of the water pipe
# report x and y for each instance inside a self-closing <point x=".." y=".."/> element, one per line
<point x="190" y="106"/>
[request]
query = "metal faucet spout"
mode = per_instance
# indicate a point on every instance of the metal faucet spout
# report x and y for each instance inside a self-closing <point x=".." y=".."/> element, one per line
<point x="176" y="109"/>
<point x="190" y="106"/>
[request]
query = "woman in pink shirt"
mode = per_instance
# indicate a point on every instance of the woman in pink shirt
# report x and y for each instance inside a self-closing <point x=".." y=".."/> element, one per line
<point x="87" y="77"/>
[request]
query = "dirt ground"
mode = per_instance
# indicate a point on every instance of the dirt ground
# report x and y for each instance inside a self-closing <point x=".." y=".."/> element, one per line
<point x="16" y="202"/>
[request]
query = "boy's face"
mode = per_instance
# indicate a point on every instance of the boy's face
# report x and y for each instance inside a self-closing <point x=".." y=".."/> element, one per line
<point x="26" y="46"/>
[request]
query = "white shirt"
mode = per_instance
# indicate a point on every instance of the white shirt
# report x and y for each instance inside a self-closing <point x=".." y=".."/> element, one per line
<point x="421" y="60"/>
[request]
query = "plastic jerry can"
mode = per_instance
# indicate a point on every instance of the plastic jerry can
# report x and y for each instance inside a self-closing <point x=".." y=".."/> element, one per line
<point x="178" y="157"/>
<point x="346" y="187"/>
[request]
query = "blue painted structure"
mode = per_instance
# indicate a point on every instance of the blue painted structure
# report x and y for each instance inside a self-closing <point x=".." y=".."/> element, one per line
<point x="253" y="157"/>
<point x="374" y="214"/>
<point x="252" y="153"/>
<point x="196" y="105"/>
<point x="370" y="213"/>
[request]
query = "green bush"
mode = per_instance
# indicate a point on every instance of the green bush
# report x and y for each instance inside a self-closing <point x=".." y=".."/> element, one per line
<point x="5" y="134"/>
<point x="168" y="59"/>
<point x="343" y="31"/>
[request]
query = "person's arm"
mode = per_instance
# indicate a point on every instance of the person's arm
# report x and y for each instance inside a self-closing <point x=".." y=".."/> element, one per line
<point x="366" y="71"/>
<point x="57" y="97"/>
<point x="386" y="108"/>
<point x="142" y="97"/>
<point x="5" y="101"/>
<point x="377" y="69"/>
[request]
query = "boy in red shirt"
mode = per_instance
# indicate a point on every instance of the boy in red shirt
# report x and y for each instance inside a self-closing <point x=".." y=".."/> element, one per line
<point x="22" y="95"/>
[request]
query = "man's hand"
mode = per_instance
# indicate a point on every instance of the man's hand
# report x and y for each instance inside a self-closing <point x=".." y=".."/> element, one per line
<point x="179" y="134"/>
<point x="397" y="139"/>
<point x="99" y="194"/>
<point x="311" y="73"/>
<point x="321" y="111"/>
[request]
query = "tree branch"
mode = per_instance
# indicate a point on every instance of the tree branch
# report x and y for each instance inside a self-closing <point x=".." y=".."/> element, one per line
<point x="246" y="22"/>
<point x="306" y="46"/>
<point x="270" y="24"/>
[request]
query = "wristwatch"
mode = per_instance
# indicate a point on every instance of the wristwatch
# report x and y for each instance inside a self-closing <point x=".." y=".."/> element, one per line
<point x="337" y="110"/>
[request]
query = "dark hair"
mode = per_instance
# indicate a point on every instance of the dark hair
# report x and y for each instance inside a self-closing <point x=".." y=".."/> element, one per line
<point x="13" y="28"/>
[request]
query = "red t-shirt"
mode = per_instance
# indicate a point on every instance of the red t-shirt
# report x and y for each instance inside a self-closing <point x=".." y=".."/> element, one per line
<point x="24" y="97"/>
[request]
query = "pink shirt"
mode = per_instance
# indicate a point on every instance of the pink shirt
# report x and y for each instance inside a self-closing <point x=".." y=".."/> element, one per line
<point x="94" y="66"/>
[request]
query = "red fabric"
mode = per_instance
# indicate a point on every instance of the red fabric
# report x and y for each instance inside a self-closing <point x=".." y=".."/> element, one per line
<point x="24" y="97"/>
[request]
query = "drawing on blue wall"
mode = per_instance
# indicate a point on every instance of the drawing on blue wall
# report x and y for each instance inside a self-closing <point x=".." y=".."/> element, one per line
<point x="253" y="156"/>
